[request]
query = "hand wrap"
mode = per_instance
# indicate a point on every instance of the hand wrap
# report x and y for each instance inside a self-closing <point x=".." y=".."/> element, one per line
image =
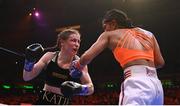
<point x="76" y="69"/>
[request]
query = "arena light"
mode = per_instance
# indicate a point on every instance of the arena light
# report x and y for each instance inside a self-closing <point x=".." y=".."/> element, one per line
<point x="110" y="85"/>
<point x="6" y="86"/>
<point x="36" y="14"/>
<point x="28" y="87"/>
<point x="30" y="14"/>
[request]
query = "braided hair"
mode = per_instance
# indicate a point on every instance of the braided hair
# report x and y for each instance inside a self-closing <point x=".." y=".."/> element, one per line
<point x="121" y="18"/>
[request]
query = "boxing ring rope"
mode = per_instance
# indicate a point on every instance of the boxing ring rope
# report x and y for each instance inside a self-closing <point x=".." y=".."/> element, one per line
<point x="12" y="52"/>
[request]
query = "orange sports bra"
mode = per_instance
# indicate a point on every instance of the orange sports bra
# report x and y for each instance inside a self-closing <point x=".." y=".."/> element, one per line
<point x="134" y="45"/>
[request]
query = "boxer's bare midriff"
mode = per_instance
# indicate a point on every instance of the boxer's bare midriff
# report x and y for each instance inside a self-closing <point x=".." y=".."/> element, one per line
<point x="139" y="62"/>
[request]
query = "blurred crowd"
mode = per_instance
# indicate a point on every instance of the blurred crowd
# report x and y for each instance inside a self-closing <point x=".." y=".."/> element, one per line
<point x="172" y="97"/>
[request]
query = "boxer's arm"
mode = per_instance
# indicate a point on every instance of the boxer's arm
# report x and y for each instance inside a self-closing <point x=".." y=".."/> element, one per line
<point x="86" y="80"/>
<point x="38" y="67"/>
<point x="86" y="87"/>
<point x="76" y="67"/>
<point x="158" y="59"/>
<point x="95" y="49"/>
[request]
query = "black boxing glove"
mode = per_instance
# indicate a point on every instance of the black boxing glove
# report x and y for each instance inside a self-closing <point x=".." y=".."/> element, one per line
<point x="32" y="53"/>
<point x="70" y="88"/>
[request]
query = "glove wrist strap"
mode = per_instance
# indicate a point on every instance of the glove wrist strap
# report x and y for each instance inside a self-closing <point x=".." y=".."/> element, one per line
<point x="84" y="90"/>
<point x="28" y="65"/>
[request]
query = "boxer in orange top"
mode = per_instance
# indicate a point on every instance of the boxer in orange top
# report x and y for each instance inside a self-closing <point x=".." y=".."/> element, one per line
<point x="138" y="53"/>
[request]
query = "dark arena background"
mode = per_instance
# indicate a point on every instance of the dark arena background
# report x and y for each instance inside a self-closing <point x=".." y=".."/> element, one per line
<point x="23" y="22"/>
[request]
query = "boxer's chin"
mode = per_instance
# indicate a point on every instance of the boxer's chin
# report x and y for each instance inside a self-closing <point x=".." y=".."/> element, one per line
<point x="74" y="52"/>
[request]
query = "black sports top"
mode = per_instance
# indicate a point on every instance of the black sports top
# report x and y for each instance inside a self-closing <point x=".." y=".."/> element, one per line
<point x="55" y="75"/>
